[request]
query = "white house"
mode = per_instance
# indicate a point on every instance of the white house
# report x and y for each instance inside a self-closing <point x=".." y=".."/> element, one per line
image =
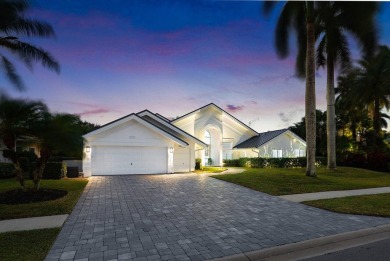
<point x="147" y="143"/>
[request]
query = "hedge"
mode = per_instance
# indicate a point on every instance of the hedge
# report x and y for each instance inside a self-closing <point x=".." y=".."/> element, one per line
<point x="6" y="170"/>
<point x="54" y="170"/>
<point x="271" y="162"/>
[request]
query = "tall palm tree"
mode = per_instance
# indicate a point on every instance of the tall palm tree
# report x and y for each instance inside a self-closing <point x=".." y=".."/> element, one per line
<point x="16" y="117"/>
<point x="300" y="16"/>
<point x="334" y="20"/>
<point x="14" y="25"/>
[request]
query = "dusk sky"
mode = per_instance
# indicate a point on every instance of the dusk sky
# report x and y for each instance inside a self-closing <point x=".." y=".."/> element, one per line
<point x="171" y="57"/>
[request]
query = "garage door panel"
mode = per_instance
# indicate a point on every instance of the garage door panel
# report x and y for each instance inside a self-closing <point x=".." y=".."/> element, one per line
<point x="181" y="159"/>
<point x="108" y="160"/>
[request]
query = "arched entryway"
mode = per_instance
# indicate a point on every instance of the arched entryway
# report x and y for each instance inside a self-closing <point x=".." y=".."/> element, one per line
<point x="212" y="136"/>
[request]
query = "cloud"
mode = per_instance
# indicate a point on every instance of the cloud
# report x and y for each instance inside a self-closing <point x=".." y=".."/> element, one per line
<point x="232" y="108"/>
<point x="94" y="111"/>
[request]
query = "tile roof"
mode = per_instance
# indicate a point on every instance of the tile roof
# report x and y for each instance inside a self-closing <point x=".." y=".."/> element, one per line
<point x="260" y="139"/>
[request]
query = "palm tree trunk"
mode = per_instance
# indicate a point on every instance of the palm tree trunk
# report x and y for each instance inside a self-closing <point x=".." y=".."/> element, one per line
<point x="38" y="173"/>
<point x="310" y="98"/>
<point x="376" y="122"/>
<point x="330" y="114"/>
<point x="19" y="175"/>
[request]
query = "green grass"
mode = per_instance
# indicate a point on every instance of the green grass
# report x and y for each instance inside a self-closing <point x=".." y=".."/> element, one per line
<point x="211" y="170"/>
<point x="281" y="181"/>
<point x="27" y="245"/>
<point x="371" y="205"/>
<point x="62" y="205"/>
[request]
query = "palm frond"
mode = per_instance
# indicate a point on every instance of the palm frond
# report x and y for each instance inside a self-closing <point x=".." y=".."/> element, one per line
<point x="28" y="27"/>
<point x="29" y="53"/>
<point x="11" y="74"/>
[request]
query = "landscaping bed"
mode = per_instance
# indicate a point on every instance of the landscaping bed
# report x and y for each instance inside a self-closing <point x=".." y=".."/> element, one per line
<point x="286" y="181"/>
<point x="62" y="205"/>
<point x="211" y="170"/>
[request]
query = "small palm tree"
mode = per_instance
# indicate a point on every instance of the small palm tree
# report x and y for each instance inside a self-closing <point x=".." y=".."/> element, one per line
<point x="13" y="26"/>
<point x="16" y="117"/>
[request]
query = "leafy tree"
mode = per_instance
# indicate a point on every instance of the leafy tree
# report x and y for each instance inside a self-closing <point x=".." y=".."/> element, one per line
<point x="13" y="26"/>
<point x="56" y="132"/>
<point x="299" y="129"/>
<point x="335" y="19"/>
<point x="16" y="118"/>
<point x="299" y="17"/>
<point x="368" y="87"/>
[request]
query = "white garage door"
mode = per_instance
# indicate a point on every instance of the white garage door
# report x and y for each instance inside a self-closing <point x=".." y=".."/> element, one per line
<point x="181" y="159"/>
<point x="108" y="160"/>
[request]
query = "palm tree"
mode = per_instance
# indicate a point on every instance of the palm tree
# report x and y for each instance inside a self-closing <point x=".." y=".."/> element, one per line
<point x="300" y="17"/>
<point x="14" y="25"/>
<point x="16" y="117"/>
<point x="336" y="19"/>
<point x="367" y="87"/>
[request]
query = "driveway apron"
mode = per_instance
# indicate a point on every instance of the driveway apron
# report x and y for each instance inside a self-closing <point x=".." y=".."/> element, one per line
<point x="187" y="217"/>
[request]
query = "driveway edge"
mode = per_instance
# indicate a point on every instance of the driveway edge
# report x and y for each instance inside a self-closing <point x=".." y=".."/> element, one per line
<point x="315" y="247"/>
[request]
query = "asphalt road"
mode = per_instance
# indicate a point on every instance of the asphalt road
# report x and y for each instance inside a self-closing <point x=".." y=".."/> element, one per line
<point x="376" y="251"/>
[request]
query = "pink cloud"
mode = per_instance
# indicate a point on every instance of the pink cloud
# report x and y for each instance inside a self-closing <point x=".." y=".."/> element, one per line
<point x="233" y="108"/>
<point x="94" y="111"/>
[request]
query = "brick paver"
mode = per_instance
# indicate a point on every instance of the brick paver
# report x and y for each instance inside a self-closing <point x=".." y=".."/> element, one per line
<point x="187" y="217"/>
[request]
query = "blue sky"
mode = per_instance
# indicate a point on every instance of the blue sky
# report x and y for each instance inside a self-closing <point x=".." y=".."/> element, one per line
<point x="171" y="57"/>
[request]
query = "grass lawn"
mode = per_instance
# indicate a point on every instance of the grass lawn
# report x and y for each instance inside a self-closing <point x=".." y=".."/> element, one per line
<point x="372" y="205"/>
<point x="27" y="245"/>
<point x="278" y="181"/>
<point x="211" y="170"/>
<point x="62" y="205"/>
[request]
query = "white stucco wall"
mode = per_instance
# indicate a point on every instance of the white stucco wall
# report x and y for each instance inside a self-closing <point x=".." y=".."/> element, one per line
<point x="131" y="133"/>
<point x="286" y="143"/>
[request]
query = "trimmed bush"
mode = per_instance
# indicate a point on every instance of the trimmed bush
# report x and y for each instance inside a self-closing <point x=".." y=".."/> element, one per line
<point x="198" y="165"/>
<point x="6" y="170"/>
<point x="72" y="172"/>
<point x="54" y="170"/>
<point x="270" y="162"/>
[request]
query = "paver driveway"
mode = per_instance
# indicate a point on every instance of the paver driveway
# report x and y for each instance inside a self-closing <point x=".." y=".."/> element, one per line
<point x="186" y="217"/>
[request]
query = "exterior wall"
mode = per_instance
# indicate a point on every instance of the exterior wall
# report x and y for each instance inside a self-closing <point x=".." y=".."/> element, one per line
<point x="130" y="133"/>
<point x="222" y="128"/>
<point x="286" y="143"/>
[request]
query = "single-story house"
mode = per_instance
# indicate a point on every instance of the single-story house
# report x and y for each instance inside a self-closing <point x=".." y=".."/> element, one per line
<point x="148" y="143"/>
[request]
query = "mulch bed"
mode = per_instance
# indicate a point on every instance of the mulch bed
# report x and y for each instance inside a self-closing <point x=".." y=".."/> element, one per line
<point x="17" y="196"/>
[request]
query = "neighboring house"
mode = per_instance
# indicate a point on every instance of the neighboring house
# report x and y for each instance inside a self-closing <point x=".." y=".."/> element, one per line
<point x="146" y="143"/>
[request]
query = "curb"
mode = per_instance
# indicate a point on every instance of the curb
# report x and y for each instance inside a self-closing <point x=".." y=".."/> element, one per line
<point x="314" y="247"/>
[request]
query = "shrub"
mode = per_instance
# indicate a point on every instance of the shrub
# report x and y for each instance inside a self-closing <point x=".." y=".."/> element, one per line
<point x="198" y="164"/>
<point x="351" y="159"/>
<point x="378" y="161"/>
<point x="6" y="170"/>
<point x="270" y="162"/>
<point x="230" y="162"/>
<point x="54" y="170"/>
<point x="72" y="172"/>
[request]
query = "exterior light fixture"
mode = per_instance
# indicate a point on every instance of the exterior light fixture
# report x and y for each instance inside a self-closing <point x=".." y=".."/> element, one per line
<point x="87" y="149"/>
<point x="171" y="149"/>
